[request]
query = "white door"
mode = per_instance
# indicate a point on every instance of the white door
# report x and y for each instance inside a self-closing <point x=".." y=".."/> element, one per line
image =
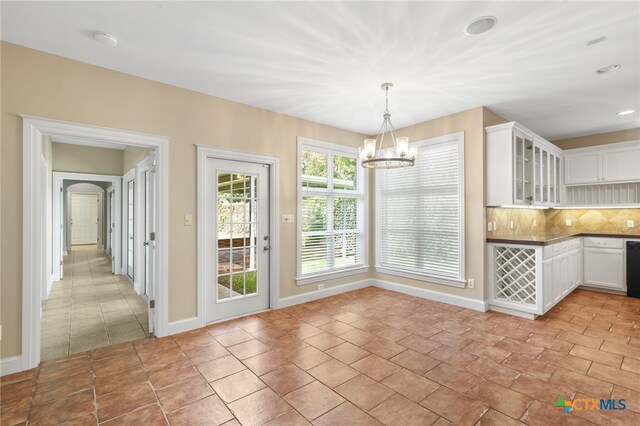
<point x="130" y="206"/>
<point x="111" y="226"/>
<point x="149" y="242"/>
<point x="237" y="235"/>
<point x="84" y="219"/>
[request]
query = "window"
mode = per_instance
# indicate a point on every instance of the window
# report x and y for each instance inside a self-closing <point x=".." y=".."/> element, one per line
<point x="420" y="214"/>
<point x="331" y="225"/>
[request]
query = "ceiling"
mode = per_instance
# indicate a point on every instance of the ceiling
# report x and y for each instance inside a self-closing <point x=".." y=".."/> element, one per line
<point x="325" y="61"/>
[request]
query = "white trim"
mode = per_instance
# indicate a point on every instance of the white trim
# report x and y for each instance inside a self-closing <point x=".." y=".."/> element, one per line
<point x="451" y="299"/>
<point x="182" y="325"/>
<point x="388" y="269"/>
<point x="362" y="196"/>
<point x="203" y="153"/>
<point x="34" y="235"/>
<point x="514" y="312"/>
<point x="285" y="302"/>
<point x="346" y="272"/>
<point x="10" y="365"/>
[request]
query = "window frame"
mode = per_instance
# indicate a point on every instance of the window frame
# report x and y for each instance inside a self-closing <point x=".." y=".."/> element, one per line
<point x="424" y="275"/>
<point x="361" y="195"/>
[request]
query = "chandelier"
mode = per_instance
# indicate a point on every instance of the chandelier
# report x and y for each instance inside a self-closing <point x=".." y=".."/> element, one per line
<point x="374" y="154"/>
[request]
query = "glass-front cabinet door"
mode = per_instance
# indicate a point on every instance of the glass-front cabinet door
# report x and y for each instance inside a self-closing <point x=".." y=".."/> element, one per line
<point x="523" y="168"/>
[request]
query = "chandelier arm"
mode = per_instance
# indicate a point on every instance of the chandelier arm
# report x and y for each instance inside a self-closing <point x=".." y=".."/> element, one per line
<point x="380" y="135"/>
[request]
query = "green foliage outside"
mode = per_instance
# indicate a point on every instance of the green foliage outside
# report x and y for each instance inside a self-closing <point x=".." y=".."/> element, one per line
<point x="250" y="280"/>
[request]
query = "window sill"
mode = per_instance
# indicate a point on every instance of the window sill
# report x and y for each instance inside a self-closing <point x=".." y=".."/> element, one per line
<point x="331" y="275"/>
<point x="422" y="277"/>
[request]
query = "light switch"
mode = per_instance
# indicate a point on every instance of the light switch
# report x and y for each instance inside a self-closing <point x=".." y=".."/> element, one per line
<point x="490" y="226"/>
<point x="188" y="220"/>
<point x="631" y="224"/>
<point x="288" y="218"/>
<point x="568" y="222"/>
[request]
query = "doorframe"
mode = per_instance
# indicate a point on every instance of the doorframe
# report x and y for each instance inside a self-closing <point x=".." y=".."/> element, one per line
<point x="109" y="192"/>
<point x="34" y="231"/>
<point x="129" y="176"/>
<point x="205" y="152"/>
<point x="58" y="179"/>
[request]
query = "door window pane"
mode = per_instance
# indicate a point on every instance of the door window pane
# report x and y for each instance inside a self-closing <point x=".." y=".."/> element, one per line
<point x="237" y="240"/>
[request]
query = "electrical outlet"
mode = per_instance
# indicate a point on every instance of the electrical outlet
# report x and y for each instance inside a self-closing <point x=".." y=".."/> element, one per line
<point x="471" y="283"/>
<point x="631" y="224"/>
<point x="490" y="226"/>
<point x="535" y="223"/>
<point x="568" y="222"/>
<point x="320" y="286"/>
<point x="288" y="218"/>
<point x="188" y="220"/>
<point x="511" y="226"/>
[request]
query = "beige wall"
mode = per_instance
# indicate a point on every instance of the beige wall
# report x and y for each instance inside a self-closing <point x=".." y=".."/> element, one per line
<point x="471" y="123"/>
<point x="132" y="156"/>
<point x="599" y="139"/>
<point x="101" y="97"/>
<point x="85" y="159"/>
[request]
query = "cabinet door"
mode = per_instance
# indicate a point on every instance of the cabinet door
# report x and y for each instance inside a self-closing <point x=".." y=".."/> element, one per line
<point x="582" y="168"/>
<point x="523" y="168"/>
<point x="604" y="268"/>
<point x="547" y="284"/>
<point x="575" y="257"/>
<point x="621" y="164"/>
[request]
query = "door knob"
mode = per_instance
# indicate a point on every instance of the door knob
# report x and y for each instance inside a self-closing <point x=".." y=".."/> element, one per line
<point x="266" y="248"/>
<point x="146" y="243"/>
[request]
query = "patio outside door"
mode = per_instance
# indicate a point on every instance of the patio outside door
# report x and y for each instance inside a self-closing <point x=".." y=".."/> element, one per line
<point x="237" y="234"/>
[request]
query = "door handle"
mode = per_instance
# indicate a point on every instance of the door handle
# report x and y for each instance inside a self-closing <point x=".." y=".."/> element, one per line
<point x="266" y="248"/>
<point x="146" y="243"/>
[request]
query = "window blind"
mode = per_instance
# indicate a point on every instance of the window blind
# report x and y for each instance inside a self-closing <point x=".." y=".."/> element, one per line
<point x="421" y="213"/>
<point x="331" y="234"/>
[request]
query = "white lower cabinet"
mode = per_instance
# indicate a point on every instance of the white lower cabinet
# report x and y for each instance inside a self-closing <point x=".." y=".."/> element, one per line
<point x="604" y="267"/>
<point x="533" y="279"/>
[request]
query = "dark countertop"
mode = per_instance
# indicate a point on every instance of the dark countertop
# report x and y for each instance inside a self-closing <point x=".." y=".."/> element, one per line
<point x="550" y="238"/>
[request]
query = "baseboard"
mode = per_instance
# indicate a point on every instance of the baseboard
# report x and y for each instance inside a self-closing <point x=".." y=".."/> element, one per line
<point x="181" y="326"/>
<point x="320" y="294"/>
<point x="451" y="299"/>
<point x="515" y="313"/>
<point x="10" y="365"/>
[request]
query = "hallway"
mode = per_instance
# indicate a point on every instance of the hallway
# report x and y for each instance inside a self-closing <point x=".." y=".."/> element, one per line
<point x="90" y="308"/>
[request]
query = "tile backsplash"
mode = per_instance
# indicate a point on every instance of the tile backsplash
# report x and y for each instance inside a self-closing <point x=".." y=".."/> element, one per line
<point x="532" y="222"/>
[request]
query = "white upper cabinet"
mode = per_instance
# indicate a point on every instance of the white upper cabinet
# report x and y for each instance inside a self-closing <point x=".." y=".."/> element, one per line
<point x="522" y="167"/>
<point x="582" y="168"/>
<point x="601" y="165"/>
<point x="621" y="164"/>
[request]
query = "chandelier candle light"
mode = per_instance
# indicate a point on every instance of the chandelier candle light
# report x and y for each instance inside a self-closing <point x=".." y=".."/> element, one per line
<point x="374" y="155"/>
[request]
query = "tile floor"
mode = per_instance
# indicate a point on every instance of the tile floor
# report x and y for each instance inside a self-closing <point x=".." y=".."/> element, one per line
<point x="361" y="358"/>
<point x="90" y="308"/>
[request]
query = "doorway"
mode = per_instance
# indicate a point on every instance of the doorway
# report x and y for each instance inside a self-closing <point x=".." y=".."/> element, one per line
<point x="35" y="259"/>
<point x="238" y="232"/>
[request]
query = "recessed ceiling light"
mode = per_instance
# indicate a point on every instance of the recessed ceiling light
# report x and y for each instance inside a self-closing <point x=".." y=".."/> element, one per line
<point x="610" y="68"/>
<point x="627" y="112"/>
<point x="480" y="25"/>
<point x="106" y="39"/>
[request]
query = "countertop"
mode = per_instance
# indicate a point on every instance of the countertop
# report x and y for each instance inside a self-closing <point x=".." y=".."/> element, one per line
<point x="545" y="239"/>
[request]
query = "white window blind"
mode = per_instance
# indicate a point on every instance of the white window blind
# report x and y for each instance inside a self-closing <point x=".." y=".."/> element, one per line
<point x="331" y="237"/>
<point x="420" y="230"/>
